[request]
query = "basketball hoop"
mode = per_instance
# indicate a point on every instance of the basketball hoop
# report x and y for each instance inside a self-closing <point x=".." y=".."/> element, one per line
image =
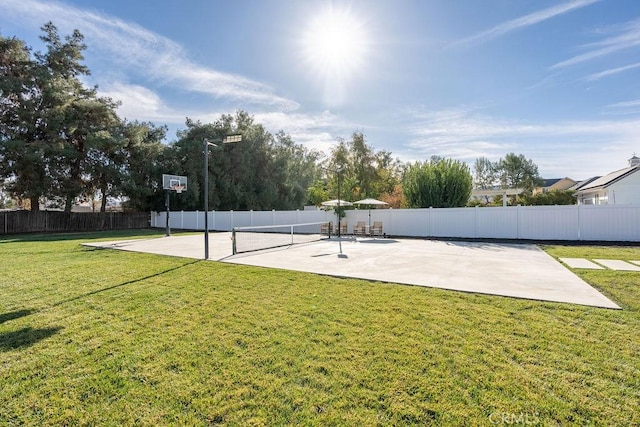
<point x="178" y="188"/>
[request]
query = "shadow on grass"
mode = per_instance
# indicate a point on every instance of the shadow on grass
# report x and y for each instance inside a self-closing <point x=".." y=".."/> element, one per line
<point x="14" y="315"/>
<point x="129" y="282"/>
<point x="56" y="237"/>
<point x="24" y="337"/>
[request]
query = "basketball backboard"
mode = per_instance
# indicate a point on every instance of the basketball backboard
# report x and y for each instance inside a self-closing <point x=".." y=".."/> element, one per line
<point x="171" y="182"/>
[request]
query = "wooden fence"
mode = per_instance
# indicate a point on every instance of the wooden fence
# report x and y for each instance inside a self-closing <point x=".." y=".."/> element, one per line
<point x="12" y="222"/>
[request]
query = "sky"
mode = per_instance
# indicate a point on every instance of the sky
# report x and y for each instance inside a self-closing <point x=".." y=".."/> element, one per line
<point x="557" y="81"/>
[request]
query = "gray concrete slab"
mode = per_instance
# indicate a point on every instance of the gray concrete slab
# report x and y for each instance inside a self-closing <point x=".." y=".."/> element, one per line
<point x="616" y="264"/>
<point x="514" y="270"/>
<point x="581" y="263"/>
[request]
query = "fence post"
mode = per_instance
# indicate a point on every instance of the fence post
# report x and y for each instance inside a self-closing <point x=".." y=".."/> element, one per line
<point x="579" y="224"/>
<point x="475" y="212"/>
<point x="518" y="221"/>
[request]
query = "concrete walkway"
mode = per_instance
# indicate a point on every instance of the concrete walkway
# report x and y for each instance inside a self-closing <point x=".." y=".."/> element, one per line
<point x="513" y="270"/>
<point x="612" y="264"/>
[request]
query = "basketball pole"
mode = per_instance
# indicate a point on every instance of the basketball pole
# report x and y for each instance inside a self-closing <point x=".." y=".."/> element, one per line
<point x="166" y="204"/>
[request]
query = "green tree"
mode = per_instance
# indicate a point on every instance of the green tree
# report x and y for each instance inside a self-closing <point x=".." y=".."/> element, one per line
<point x="516" y="171"/>
<point x="364" y="172"/>
<point x="485" y="177"/>
<point x="484" y="173"/>
<point x="49" y="121"/>
<point x="261" y="172"/>
<point x="445" y="183"/>
<point x="23" y="144"/>
<point x="318" y="192"/>
<point x="295" y="168"/>
<point x="135" y="172"/>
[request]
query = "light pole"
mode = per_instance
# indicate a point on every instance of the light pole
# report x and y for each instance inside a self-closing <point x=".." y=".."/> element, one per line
<point x="339" y="172"/>
<point x="229" y="139"/>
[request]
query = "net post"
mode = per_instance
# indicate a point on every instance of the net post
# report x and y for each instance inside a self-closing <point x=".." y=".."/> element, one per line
<point x="291" y="232"/>
<point x="234" y="248"/>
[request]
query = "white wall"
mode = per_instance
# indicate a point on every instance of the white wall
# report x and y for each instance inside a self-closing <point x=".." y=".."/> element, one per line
<point x="577" y="222"/>
<point x="626" y="191"/>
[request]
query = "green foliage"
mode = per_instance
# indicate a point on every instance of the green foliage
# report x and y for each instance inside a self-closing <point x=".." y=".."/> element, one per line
<point x="318" y="193"/>
<point x="50" y="123"/>
<point x="516" y="171"/>
<point x="444" y="183"/>
<point x="157" y="340"/>
<point x="364" y="173"/>
<point x="143" y="161"/>
<point x="262" y="172"/>
<point x="554" y="197"/>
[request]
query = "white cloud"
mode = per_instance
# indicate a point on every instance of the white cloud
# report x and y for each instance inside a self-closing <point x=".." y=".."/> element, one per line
<point x="611" y="71"/>
<point x="318" y="131"/>
<point x="625" y="104"/>
<point x="573" y="148"/>
<point x="141" y="103"/>
<point x="138" y="50"/>
<point x="524" y="21"/>
<point x="627" y="36"/>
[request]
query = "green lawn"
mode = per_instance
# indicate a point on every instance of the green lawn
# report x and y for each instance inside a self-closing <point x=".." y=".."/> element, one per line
<point x="105" y="337"/>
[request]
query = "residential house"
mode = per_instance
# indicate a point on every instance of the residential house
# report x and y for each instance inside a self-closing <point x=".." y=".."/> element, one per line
<point x="555" y="184"/>
<point x="621" y="187"/>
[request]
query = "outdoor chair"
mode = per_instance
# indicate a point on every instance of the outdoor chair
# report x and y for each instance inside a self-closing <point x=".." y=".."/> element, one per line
<point x="343" y="228"/>
<point x="376" y="228"/>
<point x="326" y="228"/>
<point x="360" y="229"/>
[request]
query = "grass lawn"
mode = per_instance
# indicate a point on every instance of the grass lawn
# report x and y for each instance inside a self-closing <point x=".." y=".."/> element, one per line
<point x="105" y="337"/>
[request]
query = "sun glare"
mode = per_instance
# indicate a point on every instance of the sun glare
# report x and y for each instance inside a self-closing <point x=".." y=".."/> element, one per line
<point x="335" y="45"/>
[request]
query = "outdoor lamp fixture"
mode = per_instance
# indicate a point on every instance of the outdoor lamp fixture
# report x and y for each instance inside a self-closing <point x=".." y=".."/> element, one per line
<point x="229" y="139"/>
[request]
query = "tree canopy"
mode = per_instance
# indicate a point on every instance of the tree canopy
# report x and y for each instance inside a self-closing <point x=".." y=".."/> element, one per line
<point x="261" y="172"/>
<point x="362" y="171"/>
<point x="439" y="183"/>
<point x="52" y="126"/>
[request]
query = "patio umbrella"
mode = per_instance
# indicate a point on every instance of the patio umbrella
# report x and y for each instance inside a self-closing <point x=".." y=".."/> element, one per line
<point x="336" y="202"/>
<point x="370" y="202"/>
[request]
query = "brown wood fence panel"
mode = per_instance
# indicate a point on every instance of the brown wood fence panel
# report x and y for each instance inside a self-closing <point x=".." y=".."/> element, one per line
<point x="12" y="222"/>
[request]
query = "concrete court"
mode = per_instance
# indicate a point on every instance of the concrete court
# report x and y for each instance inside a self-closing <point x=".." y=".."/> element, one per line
<point x="513" y="270"/>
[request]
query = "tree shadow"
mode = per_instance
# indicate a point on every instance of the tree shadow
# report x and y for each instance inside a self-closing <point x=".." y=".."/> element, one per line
<point x="129" y="282"/>
<point x="25" y="337"/>
<point x="15" y="315"/>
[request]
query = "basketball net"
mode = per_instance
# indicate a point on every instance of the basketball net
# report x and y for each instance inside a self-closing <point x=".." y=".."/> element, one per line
<point x="178" y="188"/>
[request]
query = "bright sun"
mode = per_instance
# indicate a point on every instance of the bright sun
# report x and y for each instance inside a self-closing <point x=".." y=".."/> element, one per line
<point x="335" y="45"/>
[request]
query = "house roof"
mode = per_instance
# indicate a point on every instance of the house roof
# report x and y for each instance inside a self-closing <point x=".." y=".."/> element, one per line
<point x="578" y="185"/>
<point x="607" y="180"/>
<point x="549" y="182"/>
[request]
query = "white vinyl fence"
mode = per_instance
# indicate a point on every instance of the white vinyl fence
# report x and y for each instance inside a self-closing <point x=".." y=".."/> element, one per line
<point x="577" y="222"/>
